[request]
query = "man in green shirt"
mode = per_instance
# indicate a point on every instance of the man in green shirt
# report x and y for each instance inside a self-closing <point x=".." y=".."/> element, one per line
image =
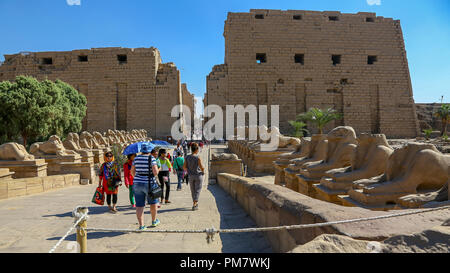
<point x="178" y="170"/>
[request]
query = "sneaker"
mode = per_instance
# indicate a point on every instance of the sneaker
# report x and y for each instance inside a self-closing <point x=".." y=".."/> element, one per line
<point x="142" y="228"/>
<point x="168" y="202"/>
<point x="195" y="207"/>
<point x="156" y="223"/>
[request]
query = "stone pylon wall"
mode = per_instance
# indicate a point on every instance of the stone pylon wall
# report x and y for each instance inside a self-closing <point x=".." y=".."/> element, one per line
<point x="125" y="94"/>
<point x="374" y="98"/>
<point x="189" y="101"/>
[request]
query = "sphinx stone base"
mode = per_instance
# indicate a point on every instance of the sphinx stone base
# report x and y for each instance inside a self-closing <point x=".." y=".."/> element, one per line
<point x="98" y="156"/>
<point x="225" y="166"/>
<point x="5" y="177"/>
<point x="305" y="185"/>
<point x="84" y="169"/>
<point x="347" y="201"/>
<point x="5" y="174"/>
<point x="53" y="162"/>
<point x="262" y="162"/>
<point x="28" y="186"/>
<point x="375" y="199"/>
<point x="290" y="179"/>
<point x="26" y="169"/>
<point x="326" y="194"/>
<point x="379" y="201"/>
<point x="279" y="173"/>
<point x="333" y="185"/>
<point x="89" y="158"/>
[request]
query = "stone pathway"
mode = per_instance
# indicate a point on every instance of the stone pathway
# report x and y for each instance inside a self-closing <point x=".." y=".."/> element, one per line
<point x="35" y="223"/>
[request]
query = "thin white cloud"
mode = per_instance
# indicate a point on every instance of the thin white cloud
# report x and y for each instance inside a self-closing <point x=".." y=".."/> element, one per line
<point x="73" y="2"/>
<point x="374" y="2"/>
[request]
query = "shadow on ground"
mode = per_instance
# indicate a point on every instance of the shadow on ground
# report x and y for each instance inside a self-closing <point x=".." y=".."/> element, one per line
<point x="232" y="216"/>
<point x="147" y="211"/>
<point x="91" y="235"/>
<point x="92" y="211"/>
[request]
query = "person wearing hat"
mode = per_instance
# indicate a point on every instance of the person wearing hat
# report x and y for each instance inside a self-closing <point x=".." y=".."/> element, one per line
<point x="143" y="179"/>
<point x="110" y="180"/>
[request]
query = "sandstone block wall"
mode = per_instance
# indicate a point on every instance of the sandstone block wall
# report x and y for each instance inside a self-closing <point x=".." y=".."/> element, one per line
<point x="369" y="81"/>
<point x="10" y="188"/>
<point x="426" y="116"/>
<point x="189" y="101"/>
<point x="126" y="88"/>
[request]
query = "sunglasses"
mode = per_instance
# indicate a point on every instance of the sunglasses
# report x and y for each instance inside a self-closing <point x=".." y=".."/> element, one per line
<point x="108" y="156"/>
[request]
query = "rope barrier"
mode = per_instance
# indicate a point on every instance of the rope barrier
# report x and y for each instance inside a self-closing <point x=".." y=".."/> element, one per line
<point x="78" y="218"/>
<point x="210" y="232"/>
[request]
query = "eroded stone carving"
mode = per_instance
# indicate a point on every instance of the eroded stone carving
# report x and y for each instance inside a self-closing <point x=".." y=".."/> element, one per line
<point x="224" y="156"/>
<point x="14" y="151"/>
<point x="101" y="140"/>
<point x="301" y="151"/>
<point x="111" y="135"/>
<point x="288" y="142"/>
<point x="21" y="164"/>
<point x="72" y="143"/>
<point x="419" y="200"/>
<point x="53" y="146"/>
<point x="414" y="168"/>
<point x="318" y="149"/>
<point x="369" y="161"/>
<point x="86" y="140"/>
<point x="341" y="152"/>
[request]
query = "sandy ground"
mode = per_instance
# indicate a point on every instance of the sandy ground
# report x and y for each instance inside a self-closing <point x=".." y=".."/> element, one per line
<point x="35" y="223"/>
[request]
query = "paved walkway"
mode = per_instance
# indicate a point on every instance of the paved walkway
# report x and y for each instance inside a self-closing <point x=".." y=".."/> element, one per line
<point x="35" y="223"/>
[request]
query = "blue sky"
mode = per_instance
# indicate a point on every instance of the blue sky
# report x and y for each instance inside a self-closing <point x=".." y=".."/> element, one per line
<point x="189" y="33"/>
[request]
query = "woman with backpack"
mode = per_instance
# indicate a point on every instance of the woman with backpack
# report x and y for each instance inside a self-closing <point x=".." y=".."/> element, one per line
<point x="178" y="170"/>
<point x="110" y="180"/>
<point x="145" y="170"/>
<point x="164" y="175"/>
<point x="194" y="167"/>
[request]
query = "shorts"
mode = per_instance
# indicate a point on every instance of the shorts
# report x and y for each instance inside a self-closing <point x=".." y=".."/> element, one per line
<point x="141" y="194"/>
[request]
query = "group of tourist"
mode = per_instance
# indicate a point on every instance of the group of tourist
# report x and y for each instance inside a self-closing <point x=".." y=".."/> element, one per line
<point x="149" y="170"/>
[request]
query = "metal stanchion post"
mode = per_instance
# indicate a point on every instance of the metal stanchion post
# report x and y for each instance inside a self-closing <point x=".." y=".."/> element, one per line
<point x="81" y="232"/>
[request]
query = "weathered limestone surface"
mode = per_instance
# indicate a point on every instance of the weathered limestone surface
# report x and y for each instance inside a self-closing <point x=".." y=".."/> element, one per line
<point x="301" y="151"/>
<point x="259" y="154"/>
<point x="412" y="169"/>
<point x="273" y="205"/>
<point x="225" y="163"/>
<point x="10" y="188"/>
<point x="72" y="142"/>
<point x="341" y="152"/>
<point x="434" y="240"/>
<point x="101" y="140"/>
<point x="426" y="116"/>
<point x="14" y="151"/>
<point x="370" y="84"/>
<point x="110" y="78"/>
<point x="370" y="160"/>
<point x="427" y="199"/>
<point x="317" y="153"/>
<point x="63" y="161"/>
<point x="16" y="158"/>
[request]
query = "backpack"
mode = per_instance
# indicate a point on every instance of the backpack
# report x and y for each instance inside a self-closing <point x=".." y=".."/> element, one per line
<point x="156" y="192"/>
